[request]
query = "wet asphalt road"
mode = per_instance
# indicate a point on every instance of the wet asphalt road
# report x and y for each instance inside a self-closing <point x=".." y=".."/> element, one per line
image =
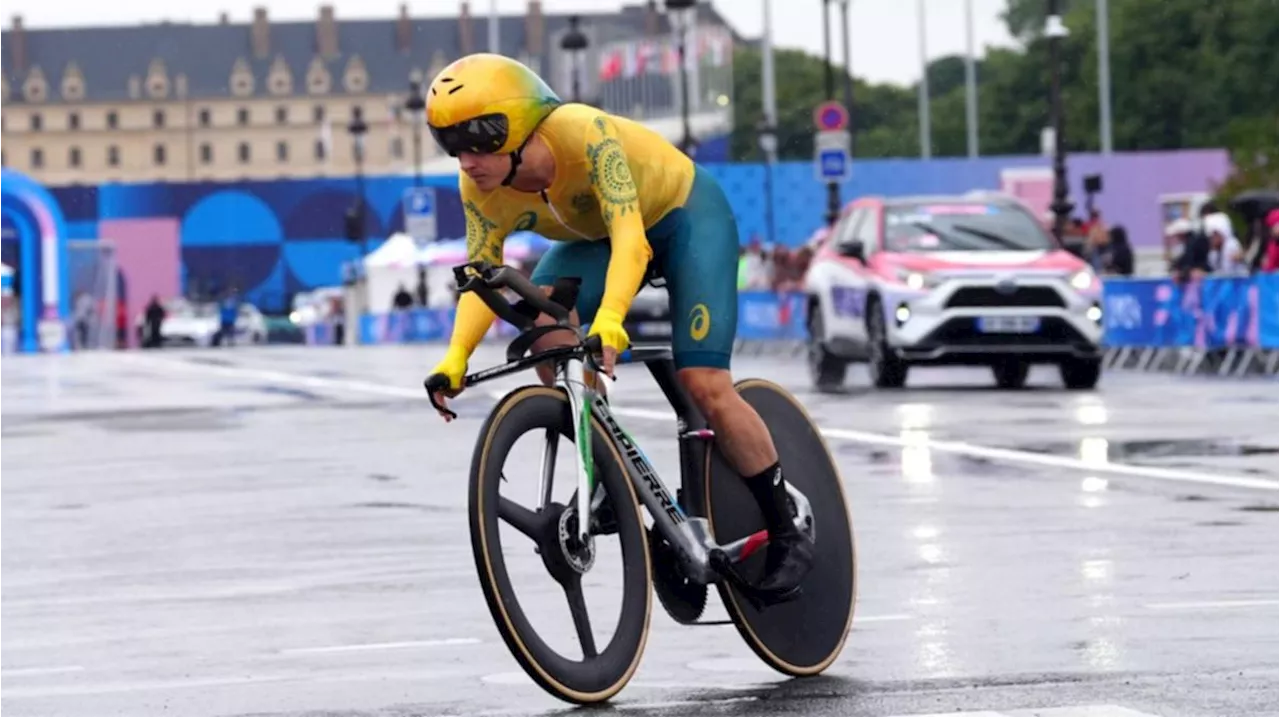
<point x="282" y="531"/>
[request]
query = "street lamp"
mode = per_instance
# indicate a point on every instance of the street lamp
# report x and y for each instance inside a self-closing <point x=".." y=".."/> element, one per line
<point x="574" y="42"/>
<point x="769" y="146"/>
<point x="355" y="216"/>
<point x="415" y="104"/>
<point x="833" y="189"/>
<point x="681" y="26"/>
<point x="1054" y="30"/>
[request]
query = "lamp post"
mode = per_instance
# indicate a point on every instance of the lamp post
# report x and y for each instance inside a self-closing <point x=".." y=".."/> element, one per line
<point x="1054" y="30"/>
<point x="833" y="189"/>
<point x="416" y="104"/>
<point x="574" y="42"/>
<point x="848" y="67"/>
<point x="358" y="129"/>
<point x="682" y="26"/>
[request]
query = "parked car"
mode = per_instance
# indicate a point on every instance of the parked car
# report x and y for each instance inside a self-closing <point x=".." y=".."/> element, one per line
<point x="197" y="324"/>
<point x="951" y="280"/>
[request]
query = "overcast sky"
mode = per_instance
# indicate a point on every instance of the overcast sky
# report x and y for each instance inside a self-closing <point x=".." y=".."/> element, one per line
<point x="883" y="34"/>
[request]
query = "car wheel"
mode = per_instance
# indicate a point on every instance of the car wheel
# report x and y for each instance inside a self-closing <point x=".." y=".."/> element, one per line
<point x="825" y="368"/>
<point x="1011" y="373"/>
<point x="886" y="370"/>
<point x="1081" y="374"/>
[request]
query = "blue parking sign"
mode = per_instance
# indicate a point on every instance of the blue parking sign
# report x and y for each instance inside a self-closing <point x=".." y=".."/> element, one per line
<point x="420" y="214"/>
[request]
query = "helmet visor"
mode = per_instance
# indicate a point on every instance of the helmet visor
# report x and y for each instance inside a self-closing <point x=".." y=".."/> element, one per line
<point x="481" y="135"/>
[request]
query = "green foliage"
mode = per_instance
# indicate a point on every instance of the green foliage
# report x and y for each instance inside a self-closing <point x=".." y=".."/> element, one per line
<point x="1184" y="74"/>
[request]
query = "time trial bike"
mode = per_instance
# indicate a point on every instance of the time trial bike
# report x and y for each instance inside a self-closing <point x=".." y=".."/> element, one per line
<point x="710" y="533"/>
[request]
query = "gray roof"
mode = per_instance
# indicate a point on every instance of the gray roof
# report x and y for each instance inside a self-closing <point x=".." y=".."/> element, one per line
<point x="109" y="56"/>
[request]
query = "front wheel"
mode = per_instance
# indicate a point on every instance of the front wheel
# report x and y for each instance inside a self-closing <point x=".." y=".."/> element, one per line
<point x="600" y="671"/>
<point x="886" y="369"/>
<point x="825" y="368"/>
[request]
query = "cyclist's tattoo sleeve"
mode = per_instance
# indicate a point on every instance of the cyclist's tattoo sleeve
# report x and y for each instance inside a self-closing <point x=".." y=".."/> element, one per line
<point x="620" y="208"/>
<point x="484" y="243"/>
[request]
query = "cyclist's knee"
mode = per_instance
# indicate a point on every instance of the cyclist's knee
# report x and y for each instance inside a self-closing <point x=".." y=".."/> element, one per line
<point x="710" y="389"/>
<point x="552" y="340"/>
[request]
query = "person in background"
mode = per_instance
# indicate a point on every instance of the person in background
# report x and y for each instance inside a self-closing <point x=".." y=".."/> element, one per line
<point x="402" y="300"/>
<point x="85" y="309"/>
<point x="1226" y="253"/>
<point x="421" y="293"/>
<point x="1271" y="248"/>
<point x="1120" y="260"/>
<point x="122" y="324"/>
<point x="228" y="310"/>
<point x="153" y="318"/>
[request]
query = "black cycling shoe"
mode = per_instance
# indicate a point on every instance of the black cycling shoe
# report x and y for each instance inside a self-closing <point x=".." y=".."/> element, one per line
<point x="788" y="560"/>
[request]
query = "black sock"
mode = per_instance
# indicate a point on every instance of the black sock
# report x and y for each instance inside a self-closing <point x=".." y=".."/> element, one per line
<point x="770" y="492"/>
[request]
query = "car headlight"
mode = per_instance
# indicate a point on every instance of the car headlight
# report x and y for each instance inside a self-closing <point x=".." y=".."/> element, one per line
<point x="916" y="280"/>
<point x="1082" y="280"/>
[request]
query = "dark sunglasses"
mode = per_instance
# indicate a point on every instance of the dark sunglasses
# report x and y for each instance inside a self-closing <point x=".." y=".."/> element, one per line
<point x="481" y="135"/>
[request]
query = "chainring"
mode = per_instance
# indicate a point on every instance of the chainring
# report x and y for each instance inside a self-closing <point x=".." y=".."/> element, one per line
<point x="683" y="599"/>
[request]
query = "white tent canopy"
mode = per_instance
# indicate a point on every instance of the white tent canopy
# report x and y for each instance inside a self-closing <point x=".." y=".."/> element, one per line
<point x="399" y="250"/>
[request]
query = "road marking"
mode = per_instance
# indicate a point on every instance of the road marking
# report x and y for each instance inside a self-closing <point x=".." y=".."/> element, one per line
<point x="26" y="671"/>
<point x="879" y="618"/>
<point x="866" y="437"/>
<point x="382" y="646"/>
<point x="1211" y="604"/>
<point x="1079" y="711"/>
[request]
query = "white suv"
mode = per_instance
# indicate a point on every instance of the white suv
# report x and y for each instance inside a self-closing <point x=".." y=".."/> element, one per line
<point x="950" y="281"/>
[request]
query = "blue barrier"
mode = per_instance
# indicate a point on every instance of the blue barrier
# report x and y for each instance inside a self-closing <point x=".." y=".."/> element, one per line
<point x="1211" y="313"/>
<point x="762" y="316"/>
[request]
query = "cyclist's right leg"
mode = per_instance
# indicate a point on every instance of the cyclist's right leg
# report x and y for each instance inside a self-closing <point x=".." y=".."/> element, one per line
<point x="584" y="260"/>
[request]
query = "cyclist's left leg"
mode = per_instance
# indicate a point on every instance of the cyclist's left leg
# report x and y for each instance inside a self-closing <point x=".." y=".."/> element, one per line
<point x="585" y="260"/>
<point x="700" y="260"/>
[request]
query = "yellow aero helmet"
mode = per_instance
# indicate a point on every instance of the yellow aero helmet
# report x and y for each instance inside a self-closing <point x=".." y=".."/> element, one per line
<point x="487" y="104"/>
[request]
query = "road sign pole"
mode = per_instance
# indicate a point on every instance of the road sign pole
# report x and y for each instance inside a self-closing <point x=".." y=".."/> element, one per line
<point x="831" y="152"/>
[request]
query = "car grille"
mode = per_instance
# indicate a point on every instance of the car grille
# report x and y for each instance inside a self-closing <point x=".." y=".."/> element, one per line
<point x="963" y="331"/>
<point x="978" y="296"/>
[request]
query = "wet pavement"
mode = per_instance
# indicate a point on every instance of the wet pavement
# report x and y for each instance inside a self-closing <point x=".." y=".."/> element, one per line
<point x="283" y="531"/>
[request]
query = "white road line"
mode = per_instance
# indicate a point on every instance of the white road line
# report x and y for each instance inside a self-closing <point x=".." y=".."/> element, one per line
<point x="1080" y="711"/>
<point x="27" y="671"/>
<point x="879" y="618"/>
<point x="382" y="646"/>
<point x="1211" y="604"/>
<point x="957" y="447"/>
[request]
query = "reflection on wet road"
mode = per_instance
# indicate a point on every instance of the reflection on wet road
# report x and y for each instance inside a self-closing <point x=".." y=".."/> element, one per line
<point x="280" y="531"/>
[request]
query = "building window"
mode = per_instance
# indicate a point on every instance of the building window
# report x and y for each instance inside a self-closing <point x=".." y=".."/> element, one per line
<point x="317" y="113"/>
<point x="282" y="115"/>
<point x="244" y="153"/>
<point x="242" y="115"/>
<point x="37" y="123"/>
<point x="73" y="157"/>
<point x="158" y="155"/>
<point x="321" y="150"/>
<point x="113" y="156"/>
<point x="113" y="120"/>
<point x="73" y="121"/>
<point x="206" y="118"/>
<point x="282" y="151"/>
<point x="157" y="118"/>
<point x="37" y="158"/>
<point x="206" y="153"/>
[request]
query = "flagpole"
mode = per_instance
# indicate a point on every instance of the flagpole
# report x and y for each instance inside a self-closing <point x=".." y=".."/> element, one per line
<point x="1104" y="77"/>
<point x="970" y="82"/>
<point x="768" y="135"/>
<point x="925" y="150"/>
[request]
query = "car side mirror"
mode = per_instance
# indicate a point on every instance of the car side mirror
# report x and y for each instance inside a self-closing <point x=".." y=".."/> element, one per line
<point x="852" y="248"/>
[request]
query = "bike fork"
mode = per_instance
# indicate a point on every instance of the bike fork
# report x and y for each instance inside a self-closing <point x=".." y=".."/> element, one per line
<point x="573" y="379"/>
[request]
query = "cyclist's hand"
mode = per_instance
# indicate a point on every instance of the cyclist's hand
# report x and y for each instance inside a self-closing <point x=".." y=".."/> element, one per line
<point x="613" y="338"/>
<point x="454" y="365"/>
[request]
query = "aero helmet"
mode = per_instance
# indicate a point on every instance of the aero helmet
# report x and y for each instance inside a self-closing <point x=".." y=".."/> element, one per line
<point x="487" y="104"/>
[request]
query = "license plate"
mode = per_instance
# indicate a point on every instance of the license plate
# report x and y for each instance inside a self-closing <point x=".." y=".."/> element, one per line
<point x="1008" y="324"/>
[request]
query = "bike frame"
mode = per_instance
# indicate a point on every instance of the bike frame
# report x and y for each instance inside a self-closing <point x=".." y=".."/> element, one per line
<point x="689" y="534"/>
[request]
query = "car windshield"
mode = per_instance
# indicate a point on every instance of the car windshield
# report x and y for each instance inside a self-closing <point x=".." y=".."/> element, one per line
<point x="962" y="226"/>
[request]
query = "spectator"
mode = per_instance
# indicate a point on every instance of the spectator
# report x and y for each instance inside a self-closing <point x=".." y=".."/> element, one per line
<point x="422" y="294"/>
<point x="228" y="311"/>
<point x="1226" y="253"/>
<point x="1116" y="255"/>
<point x="402" y="300"/>
<point x="1271" y="249"/>
<point x="153" y="318"/>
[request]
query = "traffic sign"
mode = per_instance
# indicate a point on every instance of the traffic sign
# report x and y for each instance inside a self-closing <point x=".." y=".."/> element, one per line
<point x="420" y="214"/>
<point x="831" y="156"/>
<point x="830" y="116"/>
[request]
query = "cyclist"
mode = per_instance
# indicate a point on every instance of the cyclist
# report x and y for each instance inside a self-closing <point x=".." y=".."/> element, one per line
<point x="621" y="199"/>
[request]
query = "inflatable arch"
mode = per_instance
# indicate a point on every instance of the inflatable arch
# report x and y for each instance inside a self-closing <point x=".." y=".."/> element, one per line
<point x="41" y="230"/>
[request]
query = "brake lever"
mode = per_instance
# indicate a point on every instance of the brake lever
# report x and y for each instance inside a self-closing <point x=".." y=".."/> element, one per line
<point x="435" y="383"/>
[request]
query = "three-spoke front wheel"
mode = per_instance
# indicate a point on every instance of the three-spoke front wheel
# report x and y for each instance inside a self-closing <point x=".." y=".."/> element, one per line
<point x="549" y="528"/>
